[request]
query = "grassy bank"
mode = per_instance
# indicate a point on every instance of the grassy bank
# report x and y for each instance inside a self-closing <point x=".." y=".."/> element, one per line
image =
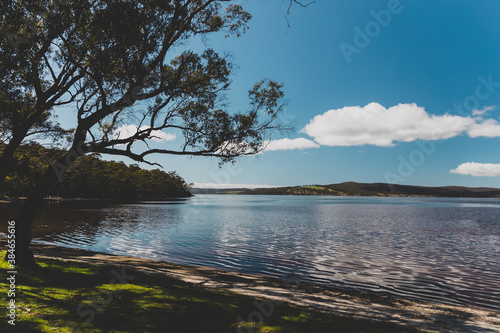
<point x="65" y="296"/>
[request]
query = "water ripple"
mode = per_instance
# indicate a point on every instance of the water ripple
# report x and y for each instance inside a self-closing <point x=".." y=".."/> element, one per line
<point x="437" y="250"/>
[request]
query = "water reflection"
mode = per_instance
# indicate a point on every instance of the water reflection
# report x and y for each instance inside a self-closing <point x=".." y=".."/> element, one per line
<point x="441" y="250"/>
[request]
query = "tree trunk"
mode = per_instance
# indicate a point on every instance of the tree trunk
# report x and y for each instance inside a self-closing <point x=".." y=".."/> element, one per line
<point x="24" y="255"/>
<point x="7" y="158"/>
<point x="18" y="135"/>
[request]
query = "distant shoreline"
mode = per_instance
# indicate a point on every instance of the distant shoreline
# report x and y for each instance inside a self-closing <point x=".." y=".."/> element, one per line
<point x="365" y="189"/>
<point x="58" y="199"/>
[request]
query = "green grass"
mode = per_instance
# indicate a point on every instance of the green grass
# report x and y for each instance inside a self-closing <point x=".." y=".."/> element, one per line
<point x="312" y="187"/>
<point x="50" y="297"/>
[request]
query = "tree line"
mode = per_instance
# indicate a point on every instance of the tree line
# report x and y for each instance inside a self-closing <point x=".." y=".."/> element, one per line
<point x="91" y="177"/>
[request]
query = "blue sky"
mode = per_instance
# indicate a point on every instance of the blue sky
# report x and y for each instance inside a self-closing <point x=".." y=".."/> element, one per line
<point x="387" y="109"/>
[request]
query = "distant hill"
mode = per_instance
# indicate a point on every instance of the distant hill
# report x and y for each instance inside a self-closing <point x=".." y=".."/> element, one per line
<point x="379" y="189"/>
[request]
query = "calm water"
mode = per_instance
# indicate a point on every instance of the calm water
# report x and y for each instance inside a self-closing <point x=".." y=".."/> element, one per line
<point x="440" y="250"/>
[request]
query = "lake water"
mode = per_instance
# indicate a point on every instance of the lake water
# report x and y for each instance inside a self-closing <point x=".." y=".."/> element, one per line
<point x="432" y="249"/>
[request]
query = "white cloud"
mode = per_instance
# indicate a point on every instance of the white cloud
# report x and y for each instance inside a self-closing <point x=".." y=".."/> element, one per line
<point x="232" y="148"/>
<point x="127" y="131"/>
<point x="236" y="148"/>
<point x="489" y="128"/>
<point x="376" y="125"/>
<point x="477" y="169"/>
<point x="483" y="111"/>
<point x="290" y="144"/>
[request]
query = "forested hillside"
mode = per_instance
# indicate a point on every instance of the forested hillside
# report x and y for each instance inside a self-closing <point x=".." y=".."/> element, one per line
<point x="380" y="189"/>
<point x="91" y="177"/>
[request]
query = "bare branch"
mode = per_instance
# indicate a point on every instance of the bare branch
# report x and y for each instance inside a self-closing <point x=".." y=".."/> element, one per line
<point x="290" y="7"/>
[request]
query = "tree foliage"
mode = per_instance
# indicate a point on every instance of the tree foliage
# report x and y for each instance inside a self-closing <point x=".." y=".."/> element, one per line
<point x="91" y="177"/>
<point x="108" y="60"/>
<point x="116" y="62"/>
<point x="15" y="109"/>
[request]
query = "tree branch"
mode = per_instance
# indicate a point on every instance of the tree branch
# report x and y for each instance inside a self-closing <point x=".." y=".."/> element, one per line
<point x="290" y="7"/>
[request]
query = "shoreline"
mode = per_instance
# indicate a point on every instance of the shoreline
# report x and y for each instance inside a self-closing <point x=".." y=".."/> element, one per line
<point x="13" y="200"/>
<point x="347" y="303"/>
<point x="351" y="188"/>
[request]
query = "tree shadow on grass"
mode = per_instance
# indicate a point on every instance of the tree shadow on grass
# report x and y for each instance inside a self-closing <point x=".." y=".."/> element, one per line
<point x="78" y="297"/>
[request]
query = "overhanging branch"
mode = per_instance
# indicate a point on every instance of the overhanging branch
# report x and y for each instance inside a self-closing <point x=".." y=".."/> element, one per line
<point x="298" y="3"/>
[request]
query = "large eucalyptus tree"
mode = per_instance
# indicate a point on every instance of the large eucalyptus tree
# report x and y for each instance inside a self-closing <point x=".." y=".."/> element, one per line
<point x="109" y="61"/>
